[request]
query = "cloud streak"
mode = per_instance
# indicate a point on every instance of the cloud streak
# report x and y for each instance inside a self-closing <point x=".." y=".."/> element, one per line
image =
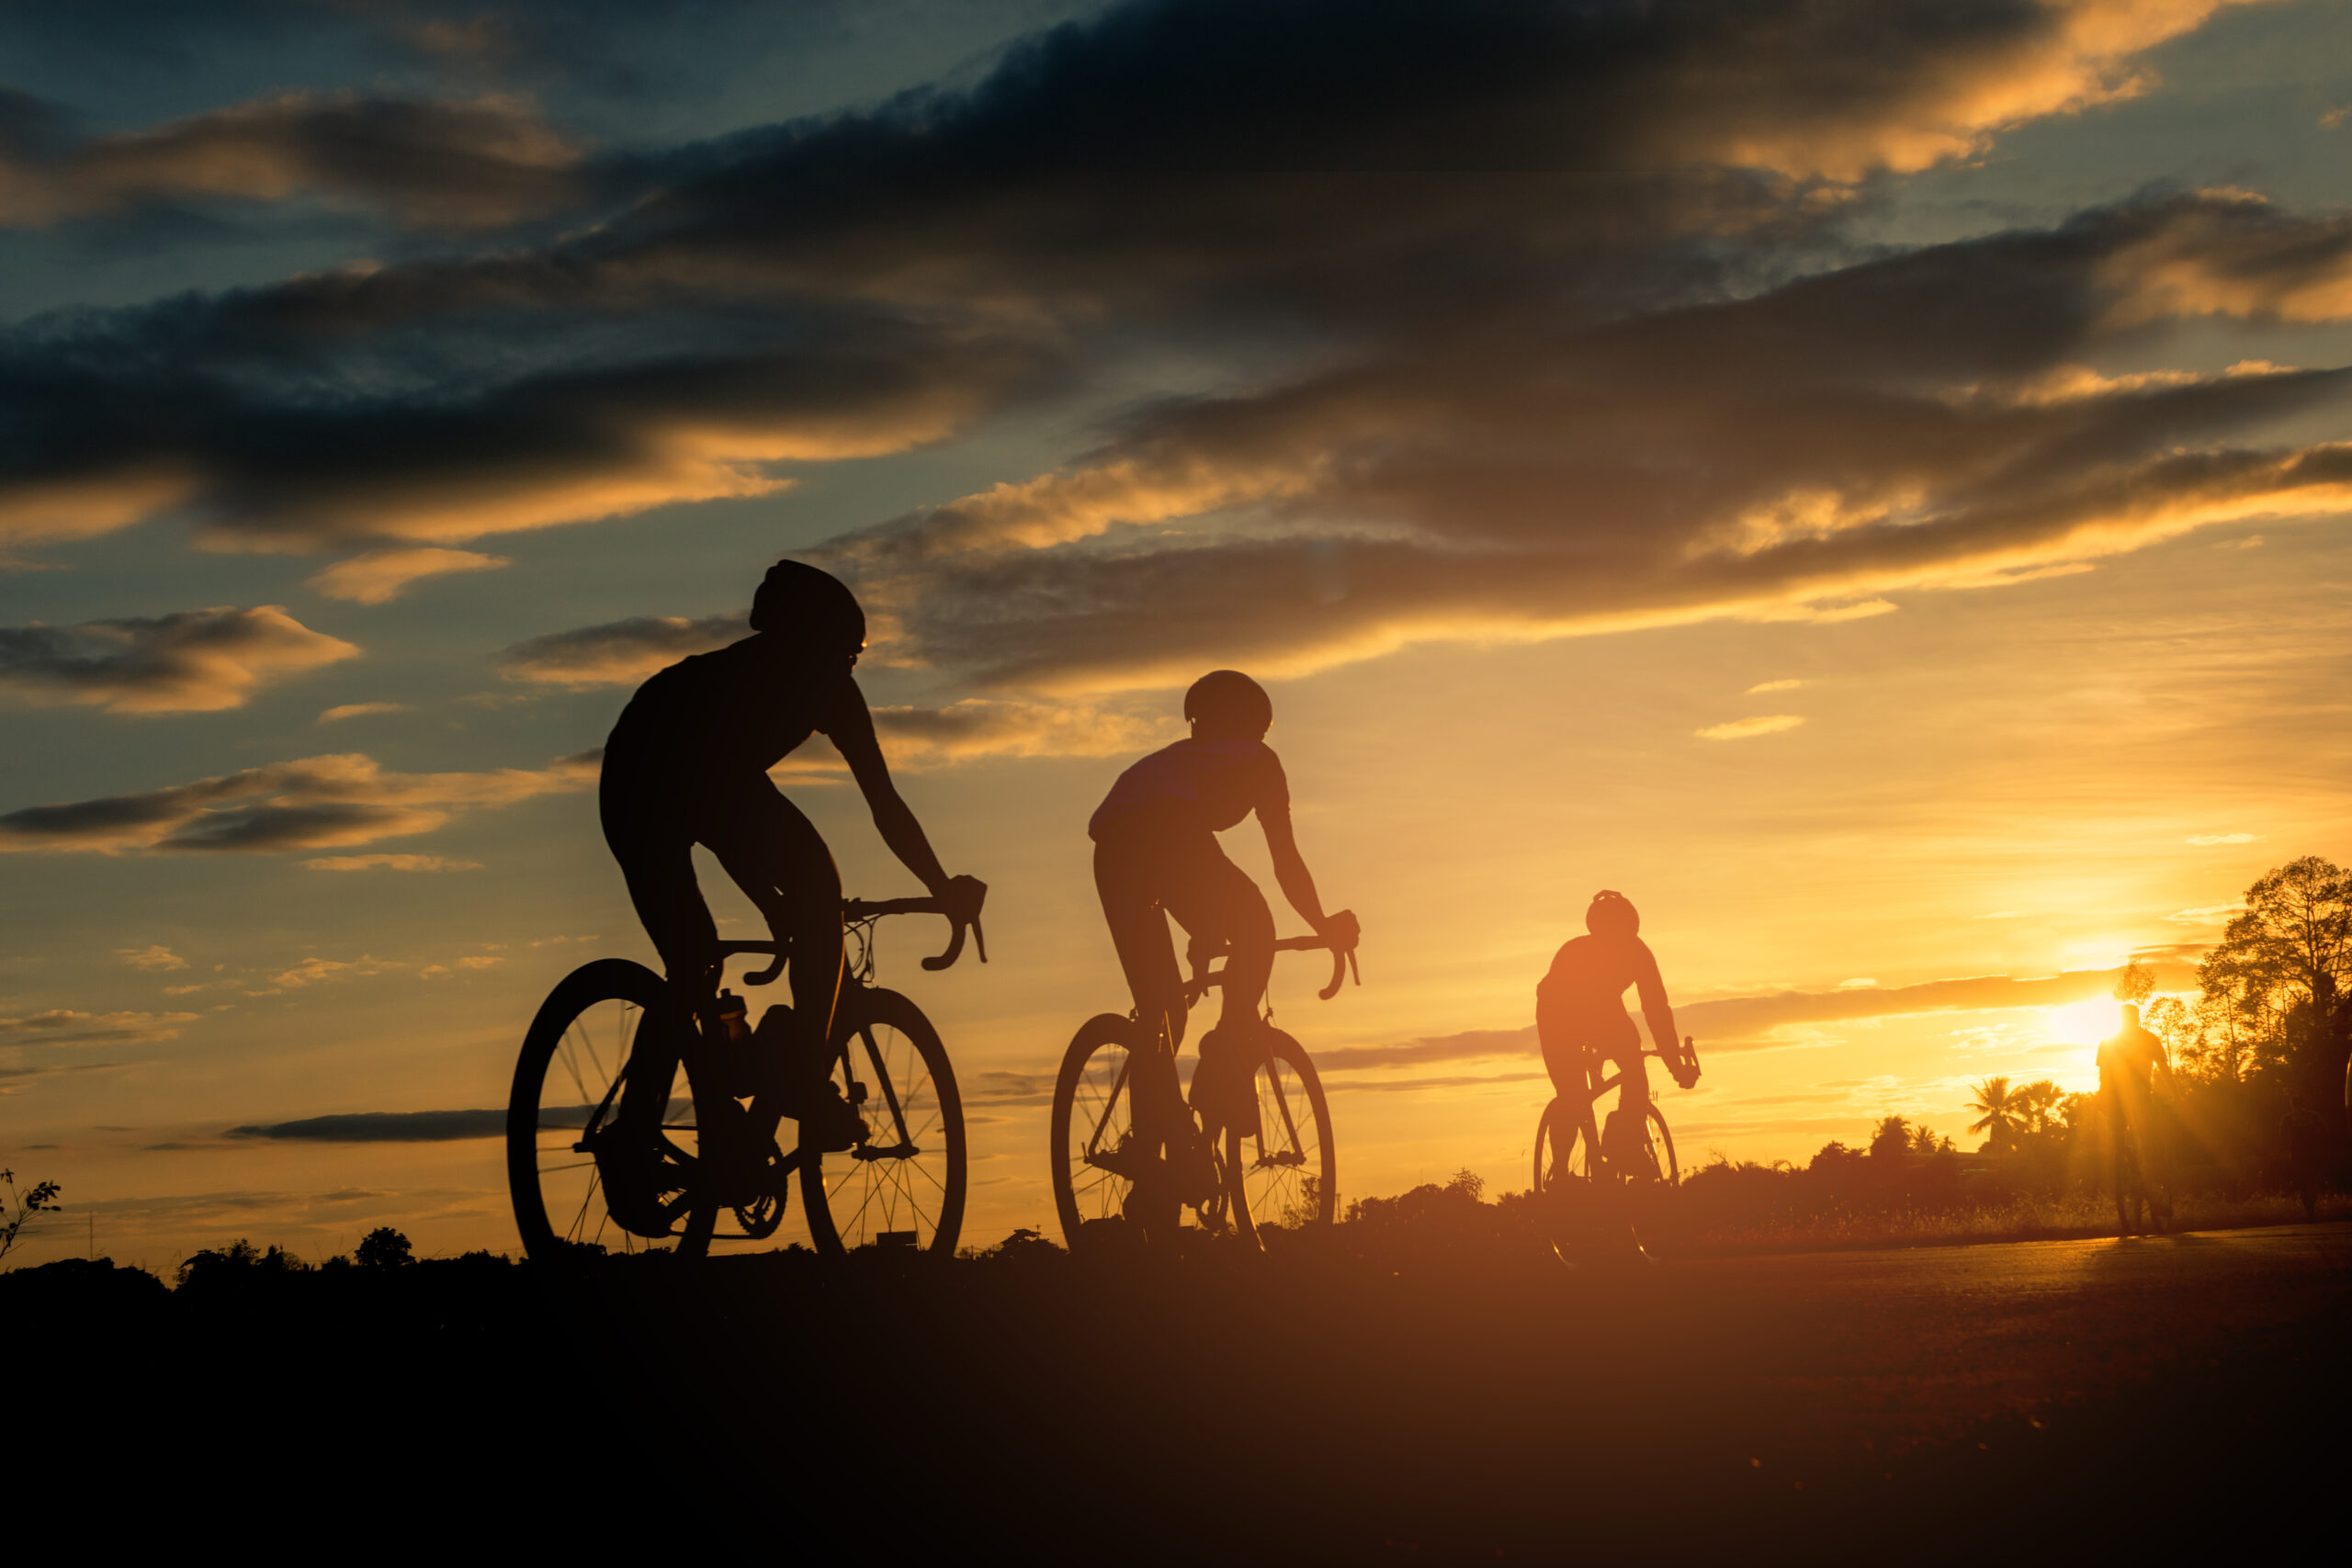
<point x="425" y="163"/>
<point x="331" y="802"/>
<point x="191" y="661"/>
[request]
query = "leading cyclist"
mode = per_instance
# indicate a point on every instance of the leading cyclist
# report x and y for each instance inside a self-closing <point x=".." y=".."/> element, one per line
<point x="1581" y="1014"/>
<point x="688" y="763"/>
<point x="1155" y="854"/>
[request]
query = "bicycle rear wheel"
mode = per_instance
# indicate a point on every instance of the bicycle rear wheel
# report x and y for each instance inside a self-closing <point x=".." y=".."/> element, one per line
<point x="1288" y="1173"/>
<point x="1096" y="1146"/>
<point x="904" y="1185"/>
<point x="604" y="1021"/>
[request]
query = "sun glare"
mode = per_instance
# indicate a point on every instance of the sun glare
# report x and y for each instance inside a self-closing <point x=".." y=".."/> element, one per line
<point x="2081" y="1023"/>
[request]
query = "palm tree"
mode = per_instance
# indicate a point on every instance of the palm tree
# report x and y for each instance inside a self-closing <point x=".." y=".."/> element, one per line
<point x="2039" y="1100"/>
<point x="2000" y="1112"/>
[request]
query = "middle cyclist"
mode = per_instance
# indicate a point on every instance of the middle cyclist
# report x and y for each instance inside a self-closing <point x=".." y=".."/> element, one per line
<point x="1155" y="854"/>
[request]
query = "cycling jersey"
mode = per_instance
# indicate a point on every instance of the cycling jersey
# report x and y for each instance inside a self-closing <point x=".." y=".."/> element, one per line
<point x="725" y="712"/>
<point x="1202" y="785"/>
<point x="1580" y="1000"/>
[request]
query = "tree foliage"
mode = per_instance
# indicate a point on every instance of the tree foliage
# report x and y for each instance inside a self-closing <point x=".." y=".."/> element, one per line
<point x="2272" y="992"/>
<point x="38" y="1198"/>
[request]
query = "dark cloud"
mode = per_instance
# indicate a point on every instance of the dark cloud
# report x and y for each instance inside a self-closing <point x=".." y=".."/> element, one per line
<point x="1919" y="420"/>
<point x="194" y="662"/>
<point x="425" y="163"/>
<point x="390" y="1127"/>
<point x="316" y="803"/>
<point x="1222" y="173"/>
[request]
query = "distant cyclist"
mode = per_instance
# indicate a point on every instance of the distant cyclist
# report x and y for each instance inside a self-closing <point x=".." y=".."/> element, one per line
<point x="2132" y="1069"/>
<point x="1580" y="1015"/>
<point x="1155" y="854"/>
<point x="688" y="764"/>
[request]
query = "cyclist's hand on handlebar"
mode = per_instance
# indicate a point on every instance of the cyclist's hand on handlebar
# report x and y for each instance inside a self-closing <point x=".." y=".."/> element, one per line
<point x="963" y="896"/>
<point x="1341" y="929"/>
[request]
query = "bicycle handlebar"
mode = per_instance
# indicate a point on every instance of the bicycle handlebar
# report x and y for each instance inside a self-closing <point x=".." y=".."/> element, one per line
<point x="961" y="916"/>
<point x="1344" y="963"/>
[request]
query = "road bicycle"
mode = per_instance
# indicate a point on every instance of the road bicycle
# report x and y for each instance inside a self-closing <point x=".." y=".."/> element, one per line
<point x="642" y="1113"/>
<point x="1590" y="1193"/>
<point x="1130" y="1158"/>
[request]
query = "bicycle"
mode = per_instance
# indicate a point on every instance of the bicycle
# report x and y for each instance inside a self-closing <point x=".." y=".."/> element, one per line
<point x="1127" y="1148"/>
<point x="1583" y="1190"/>
<point x="626" y="1085"/>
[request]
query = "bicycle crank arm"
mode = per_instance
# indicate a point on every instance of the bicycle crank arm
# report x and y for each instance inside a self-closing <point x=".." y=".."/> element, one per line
<point x="903" y="1149"/>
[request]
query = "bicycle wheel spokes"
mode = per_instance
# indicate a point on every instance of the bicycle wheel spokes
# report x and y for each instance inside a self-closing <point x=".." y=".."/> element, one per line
<point x="904" y="1184"/>
<point x="571" y="1097"/>
<point x="1288" y="1171"/>
<point x="1102" y="1123"/>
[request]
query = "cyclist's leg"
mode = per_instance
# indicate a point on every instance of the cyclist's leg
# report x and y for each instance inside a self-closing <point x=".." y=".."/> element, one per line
<point x="1126" y="880"/>
<point x="776" y="856"/>
<point x="656" y="855"/>
<point x="1215" y="900"/>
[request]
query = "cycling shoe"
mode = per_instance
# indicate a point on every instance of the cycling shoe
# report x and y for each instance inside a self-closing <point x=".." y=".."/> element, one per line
<point x="630" y="1171"/>
<point x="829" y="1123"/>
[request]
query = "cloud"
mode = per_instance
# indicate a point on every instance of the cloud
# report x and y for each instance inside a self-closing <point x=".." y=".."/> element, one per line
<point x="2205" y="915"/>
<point x="1797" y="454"/>
<point x="389" y="863"/>
<point x="426" y="164"/>
<point x="190" y="661"/>
<point x="1742" y="728"/>
<point x="377" y="576"/>
<point x="154" y="959"/>
<point x="63" y="1026"/>
<point x="1763" y="686"/>
<point x="1211" y="177"/>
<point x="360" y="710"/>
<point x="329" y="802"/>
<point x="1738" y="1023"/>
<point x="618" y="653"/>
<point x="319" y="971"/>
<point x="2207" y="839"/>
<point x="384" y="1127"/>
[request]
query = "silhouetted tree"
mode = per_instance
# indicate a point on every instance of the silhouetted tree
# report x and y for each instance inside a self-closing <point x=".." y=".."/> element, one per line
<point x="1892" y="1139"/>
<point x="239" y="1257"/>
<point x="2281" y="969"/>
<point x="2135" y="983"/>
<point x="2038" y="1103"/>
<point x="2000" y="1115"/>
<point x="38" y="1198"/>
<point x="384" y="1247"/>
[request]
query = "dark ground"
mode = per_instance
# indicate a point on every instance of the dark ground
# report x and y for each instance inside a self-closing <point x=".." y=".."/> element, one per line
<point x="2026" y="1402"/>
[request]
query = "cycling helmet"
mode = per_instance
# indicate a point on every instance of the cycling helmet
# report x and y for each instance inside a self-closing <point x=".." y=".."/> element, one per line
<point x="1226" y="703"/>
<point x="801" y="602"/>
<point x="1612" y="914"/>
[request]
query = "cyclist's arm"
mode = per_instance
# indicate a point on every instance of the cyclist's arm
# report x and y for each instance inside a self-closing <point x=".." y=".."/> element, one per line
<point x="850" y="729"/>
<point x="1297" y="882"/>
<point x="1656" y="1014"/>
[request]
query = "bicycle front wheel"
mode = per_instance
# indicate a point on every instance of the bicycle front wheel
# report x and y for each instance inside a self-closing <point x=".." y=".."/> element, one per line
<point x="605" y="1022"/>
<point x="1288" y="1174"/>
<point x="903" y="1186"/>
<point x="1096" y="1146"/>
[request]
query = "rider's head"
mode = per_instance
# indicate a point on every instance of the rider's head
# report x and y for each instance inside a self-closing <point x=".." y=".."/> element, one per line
<point x="805" y="606"/>
<point x="2131" y="1015"/>
<point x="1225" y="704"/>
<point x="1612" y="914"/>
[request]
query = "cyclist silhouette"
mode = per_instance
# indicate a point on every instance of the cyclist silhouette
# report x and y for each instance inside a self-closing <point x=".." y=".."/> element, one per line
<point x="2131" y="1067"/>
<point x="687" y="764"/>
<point x="1155" y="854"/>
<point x="1580" y="1014"/>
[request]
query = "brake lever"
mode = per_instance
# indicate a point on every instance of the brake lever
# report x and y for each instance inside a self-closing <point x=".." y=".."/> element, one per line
<point x="767" y="976"/>
<point x="1338" y="972"/>
<point x="954" y="947"/>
